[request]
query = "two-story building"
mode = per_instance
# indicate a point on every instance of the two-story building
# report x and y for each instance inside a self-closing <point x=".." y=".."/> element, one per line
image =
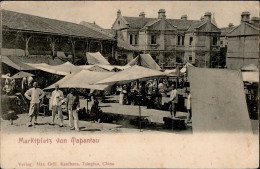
<point x="243" y="43"/>
<point x="172" y="40"/>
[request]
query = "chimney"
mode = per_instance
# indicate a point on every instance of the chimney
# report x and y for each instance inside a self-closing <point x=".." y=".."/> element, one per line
<point x="202" y="18"/>
<point x="207" y="16"/>
<point x="161" y="14"/>
<point x="230" y="25"/>
<point x="255" y="20"/>
<point x="142" y="15"/>
<point x="118" y="12"/>
<point x="245" y="17"/>
<point x="184" y="17"/>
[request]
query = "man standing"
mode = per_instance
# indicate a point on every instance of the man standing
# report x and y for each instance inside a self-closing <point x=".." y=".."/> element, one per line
<point x="34" y="95"/>
<point x="73" y="107"/>
<point x="56" y="98"/>
<point x="173" y="100"/>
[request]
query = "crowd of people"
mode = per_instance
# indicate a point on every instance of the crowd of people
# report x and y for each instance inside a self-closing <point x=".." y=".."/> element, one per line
<point x="36" y="97"/>
<point x="153" y="94"/>
<point x="148" y="93"/>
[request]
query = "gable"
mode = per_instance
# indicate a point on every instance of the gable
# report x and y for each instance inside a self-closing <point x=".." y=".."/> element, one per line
<point x="208" y="27"/>
<point x="244" y="29"/>
<point x="161" y="25"/>
<point x="120" y="23"/>
<point x="251" y="30"/>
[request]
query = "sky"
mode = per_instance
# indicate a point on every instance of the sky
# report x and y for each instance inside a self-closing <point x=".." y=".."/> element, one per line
<point x="104" y="13"/>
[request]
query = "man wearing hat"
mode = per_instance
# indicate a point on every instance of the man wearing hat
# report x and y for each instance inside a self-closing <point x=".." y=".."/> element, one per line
<point x="34" y="95"/>
<point x="56" y="101"/>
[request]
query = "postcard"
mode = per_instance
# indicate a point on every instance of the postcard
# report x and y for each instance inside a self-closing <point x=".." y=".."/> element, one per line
<point x="130" y="84"/>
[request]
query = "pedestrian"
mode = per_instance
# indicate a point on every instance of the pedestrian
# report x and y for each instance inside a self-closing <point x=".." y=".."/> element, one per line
<point x="34" y="94"/>
<point x="173" y="100"/>
<point x="56" y="101"/>
<point x="24" y="85"/>
<point x="189" y="106"/>
<point x="73" y="107"/>
<point x="30" y="81"/>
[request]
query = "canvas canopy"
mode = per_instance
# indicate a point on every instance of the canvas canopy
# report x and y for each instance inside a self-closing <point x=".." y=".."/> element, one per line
<point x="218" y="101"/>
<point x="5" y="77"/>
<point x="83" y="79"/>
<point x="145" y="60"/>
<point x="132" y="73"/>
<point x="22" y="74"/>
<point x="16" y="63"/>
<point x="96" y="58"/>
<point x="122" y="67"/>
<point x="184" y="69"/>
<point x="67" y="67"/>
<point x="251" y="76"/>
<point x="168" y="71"/>
<point x="250" y="67"/>
<point x="47" y="68"/>
<point x="63" y="69"/>
<point x="103" y="68"/>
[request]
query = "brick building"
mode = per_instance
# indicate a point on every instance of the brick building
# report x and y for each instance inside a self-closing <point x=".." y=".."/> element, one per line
<point x="172" y="40"/>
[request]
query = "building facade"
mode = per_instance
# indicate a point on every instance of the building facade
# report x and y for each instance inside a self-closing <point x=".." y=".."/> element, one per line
<point x="171" y="41"/>
<point x="243" y="43"/>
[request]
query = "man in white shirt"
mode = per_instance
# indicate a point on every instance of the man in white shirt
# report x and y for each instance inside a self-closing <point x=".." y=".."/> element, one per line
<point x="34" y="95"/>
<point x="173" y="100"/>
<point x="56" y="101"/>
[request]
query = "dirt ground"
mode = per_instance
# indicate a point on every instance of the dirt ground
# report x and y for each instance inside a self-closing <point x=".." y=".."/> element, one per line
<point x="123" y="126"/>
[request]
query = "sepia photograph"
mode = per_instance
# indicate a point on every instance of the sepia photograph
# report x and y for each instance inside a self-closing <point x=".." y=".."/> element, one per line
<point x="125" y="84"/>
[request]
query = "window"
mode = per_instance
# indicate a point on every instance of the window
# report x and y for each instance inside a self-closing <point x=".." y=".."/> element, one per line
<point x="136" y="39"/>
<point x="179" y="40"/>
<point x="190" y="58"/>
<point x="215" y="40"/>
<point x="131" y="39"/>
<point x="221" y="42"/>
<point x="118" y="22"/>
<point x="183" y="37"/>
<point x="153" y="39"/>
<point x="191" y="39"/>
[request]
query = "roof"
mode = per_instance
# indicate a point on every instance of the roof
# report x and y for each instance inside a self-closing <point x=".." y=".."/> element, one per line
<point x="111" y="33"/>
<point x="224" y="31"/>
<point x="184" y="24"/>
<point x="249" y="29"/>
<point x="159" y="24"/>
<point x="204" y="26"/>
<point x="25" y="22"/>
<point x="90" y="24"/>
<point x="137" y="22"/>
